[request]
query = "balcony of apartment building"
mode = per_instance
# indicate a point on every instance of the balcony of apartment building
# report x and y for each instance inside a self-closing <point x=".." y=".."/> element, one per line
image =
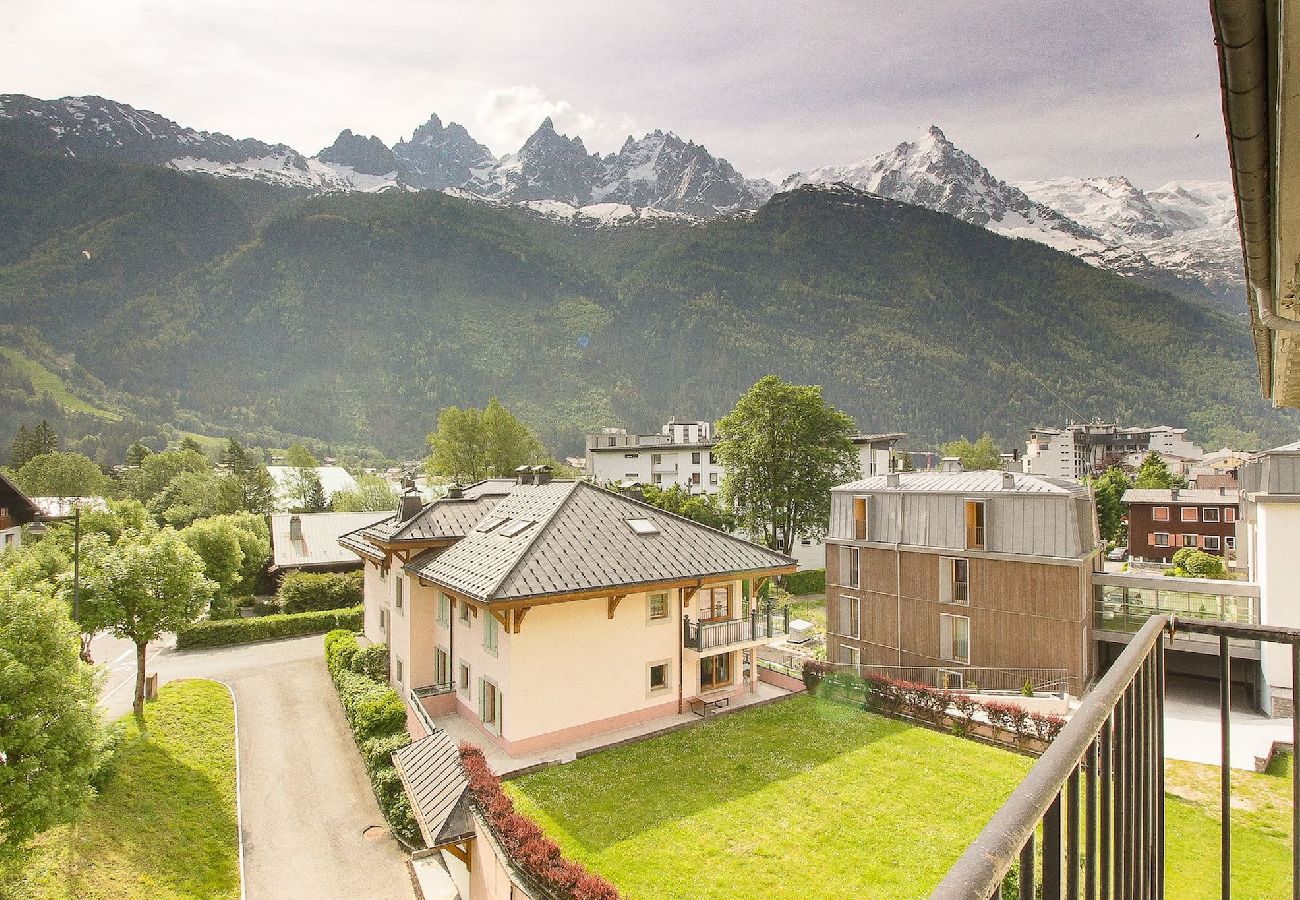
<point x="1123" y="602"/>
<point x="723" y="632"/>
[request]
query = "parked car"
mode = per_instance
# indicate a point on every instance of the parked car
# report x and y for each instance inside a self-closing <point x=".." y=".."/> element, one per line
<point x="1119" y="554"/>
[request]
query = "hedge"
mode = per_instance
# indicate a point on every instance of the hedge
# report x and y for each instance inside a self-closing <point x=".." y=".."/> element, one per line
<point x="377" y="716"/>
<point x="523" y="841"/>
<point x="307" y="591"/>
<point x="225" y="632"/>
<point x="809" y="581"/>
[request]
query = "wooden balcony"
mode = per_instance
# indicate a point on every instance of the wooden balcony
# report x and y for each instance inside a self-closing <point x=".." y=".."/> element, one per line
<point x="758" y="626"/>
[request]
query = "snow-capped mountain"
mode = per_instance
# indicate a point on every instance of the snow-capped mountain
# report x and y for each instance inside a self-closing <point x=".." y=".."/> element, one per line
<point x="549" y="166"/>
<point x="661" y="171"/>
<point x="438" y="156"/>
<point x="1188" y="228"/>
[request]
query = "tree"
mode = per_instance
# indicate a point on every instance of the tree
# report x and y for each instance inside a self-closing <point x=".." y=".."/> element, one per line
<point x="1154" y="473"/>
<point x="218" y="544"/>
<point x="983" y="454"/>
<point x="1108" y="492"/>
<point x="187" y="497"/>
<point x="247" y="486"/>
<point x="471" y="445"/>
<point x="56" y="474"/>
<point x="1190" y="562"/>
<point x="300" y="457"/>
<point x="372" y="494"/>
<point x="141" y="589"/>
<point x="158" y="470"/>
<point x="188" y="443"/>
<point x="702" y="508"/>
<point x="21" y="449"/>
<point x="784" y="448"/>
<point x="135" y="454"/>
<point x="255" y="542"/>
<point x="50" y="742"/>
<point x="312" y="492"/>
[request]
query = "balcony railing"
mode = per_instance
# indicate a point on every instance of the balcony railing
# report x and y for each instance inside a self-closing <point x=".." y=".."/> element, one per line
<point x="974" y="537"/>
<point x="432" y="690"/>
<point x="757" y="626"/>
<point x="1098" y="792"/>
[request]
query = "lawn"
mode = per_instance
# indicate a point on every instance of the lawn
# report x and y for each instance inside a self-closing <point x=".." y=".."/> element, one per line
<point x="811" y="609"/>
<point x="1261" y="832"/>
<point x="797" y="799"/>
<point x="164" y="826"/>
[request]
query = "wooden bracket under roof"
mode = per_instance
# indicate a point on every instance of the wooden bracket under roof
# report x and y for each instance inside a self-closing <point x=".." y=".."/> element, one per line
<point x="613" y="603"/>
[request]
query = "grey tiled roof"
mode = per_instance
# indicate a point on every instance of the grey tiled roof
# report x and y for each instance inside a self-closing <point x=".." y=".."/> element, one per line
<point x="581" y="541"/>
<point x="1185" y="495"/>
<point x="435" y="782"/>
<point x="445" y="518"/>
<point x="978" y="482"/>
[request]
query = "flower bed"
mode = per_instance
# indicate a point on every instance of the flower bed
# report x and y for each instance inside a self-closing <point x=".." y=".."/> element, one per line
<point x="533" y="852"/>
<point x="954" y="710"/>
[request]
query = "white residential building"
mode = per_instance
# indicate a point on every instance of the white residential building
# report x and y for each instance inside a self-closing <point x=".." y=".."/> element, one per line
<point x="332" y="480"/>
<point x="1075" y="451"/>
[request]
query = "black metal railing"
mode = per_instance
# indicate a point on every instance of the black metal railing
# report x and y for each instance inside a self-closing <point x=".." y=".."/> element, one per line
<point x="768" y="622"/>
<point x="1097" y="793"/>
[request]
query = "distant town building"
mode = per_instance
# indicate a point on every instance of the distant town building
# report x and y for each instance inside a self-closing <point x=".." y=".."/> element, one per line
<point x="332" y="480"/>
<point x="309" y="542"/>
<point x="962" y="570"/>
<point x="16" y="510"/>
<point x="1078" y="450"/>
<point x="1162" y="522"/>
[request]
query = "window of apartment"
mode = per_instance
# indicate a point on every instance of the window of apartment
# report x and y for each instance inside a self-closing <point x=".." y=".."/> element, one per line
<point x="463" y="680"/>
<point x="1187" y="514"/>
<point x="383" y="619"/>
<point x="657" y="606"/>
<point x="630" y="476"/>
<point x="657" y="677"/>
<point x="444" y="609"/>
<point x="631" y="455"/>
<point x="397" y="593"/>
<point x="713" y="478"/>
<point x="975" y="521"/>
<point x="489" y="705"/>
<point x="695" y="458"/>
<point x="714" y="604"/>
<point x="695" y="478"/>
<point x="464" y="612"/>
<point x="656" y="459"/>
<point x="397" y="669"/>
<point x="1230" y="543"/>
<point x="1229" y="514"/>
<point x="657" y="478"/>
<point x="849" y="566"/>
<point x="1210" y="514"/>
<point x="1211" y="542"/>
<point x="383" y="573"/>
<point x="954" y="579"/>
<point x="860" y="518"/>
<point x="1161" y="539"/>
<point x="613" y="442"/>
<point x="1190" y="540"/>
<point x="954" y="638"/>
<point x="490" y="634"/>
<point x="853" y="613"/>
<point x="1160" y="513"/>
<point x="850" y="656"/>
<point x="715" y="671"/>
<point x="441" y="666"/>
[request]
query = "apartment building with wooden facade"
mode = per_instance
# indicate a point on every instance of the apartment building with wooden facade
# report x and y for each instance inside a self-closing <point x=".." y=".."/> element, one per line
<point x="1163" y="521"/>
<point x="961" y="570"/>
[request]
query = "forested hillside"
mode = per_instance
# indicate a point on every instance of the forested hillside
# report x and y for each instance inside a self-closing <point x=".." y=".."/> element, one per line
<point x="355" y="318"/>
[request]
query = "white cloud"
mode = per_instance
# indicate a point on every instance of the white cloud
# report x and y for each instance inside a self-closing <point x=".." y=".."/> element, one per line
<point x="506" y="117"/>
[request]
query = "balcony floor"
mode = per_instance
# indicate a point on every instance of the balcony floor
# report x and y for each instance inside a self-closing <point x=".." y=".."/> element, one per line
<point x="462" y="730"/>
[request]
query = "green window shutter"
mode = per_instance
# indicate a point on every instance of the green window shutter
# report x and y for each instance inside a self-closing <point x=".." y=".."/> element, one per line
<point x="499" y="701"/>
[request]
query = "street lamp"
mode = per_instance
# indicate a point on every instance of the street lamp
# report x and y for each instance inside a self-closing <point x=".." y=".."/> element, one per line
<point x="38" y="528"/>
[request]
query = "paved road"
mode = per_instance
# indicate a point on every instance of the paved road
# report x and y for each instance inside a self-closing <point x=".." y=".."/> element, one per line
<point x="1192" y="725"/>
<point x="306" y="802"/>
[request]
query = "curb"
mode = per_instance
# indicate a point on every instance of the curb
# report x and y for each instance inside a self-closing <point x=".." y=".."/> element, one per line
<point x="239" y="802"/>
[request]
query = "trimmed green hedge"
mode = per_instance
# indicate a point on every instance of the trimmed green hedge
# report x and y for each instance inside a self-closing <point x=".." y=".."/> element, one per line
<point x="809" y="581"/>
<point x="311" y="591"/>
<point x="225" y="632"/>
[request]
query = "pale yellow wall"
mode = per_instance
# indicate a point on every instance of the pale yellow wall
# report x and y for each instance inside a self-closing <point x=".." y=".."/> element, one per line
<point x="482" y="664"/>
<point x="375" y="599"/>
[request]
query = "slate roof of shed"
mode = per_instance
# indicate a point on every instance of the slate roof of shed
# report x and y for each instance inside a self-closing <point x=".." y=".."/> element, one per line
<point x="435" y="782"/>
<point x="1185" y="495"/>
<point x="978" y="482"/>
<point x="444" y="517"/>
<point x="321" y="533"/>
<point x="581" y="541"/>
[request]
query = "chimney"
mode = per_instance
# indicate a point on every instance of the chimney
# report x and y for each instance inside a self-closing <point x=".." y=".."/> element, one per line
<point x="455" y="492"/>
<point x="295" y="528"/>
<point x="541" y="474"/>
<point x="409" y="505"/>
<point x="1173" y="493"/>
<point x="524" y="475"/>
<point x="950" y="464"/>
<point x="891" y="480"/>
<point x="1008" y="481"/>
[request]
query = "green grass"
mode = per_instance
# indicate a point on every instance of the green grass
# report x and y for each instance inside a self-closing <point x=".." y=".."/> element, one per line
<point x="798" y="799"/>
<point x="810" y="609"/>
<point x="164" y="826"/>
<point x="1261" y="832"/>
<point x="48" y="384"/>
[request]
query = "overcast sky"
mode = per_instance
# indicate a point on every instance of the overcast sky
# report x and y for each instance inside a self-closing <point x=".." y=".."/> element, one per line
<point x="1033" y="89"/>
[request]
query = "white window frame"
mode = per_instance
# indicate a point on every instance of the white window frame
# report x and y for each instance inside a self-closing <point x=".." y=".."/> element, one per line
<point x="855" y="617"/>
<point x="1159" y="514"/>
<point x="1211" y="542"/>
<point x="1230" y="514"/>
<point x="948" y="638"/>
<point x="1210" y="514"/>
<point x="441" y="665"/>
<point x="948" y="580"/>
<point x="863" y="533"/>
<point x="464" y="678"/>
<point x="463" y="612"/>
<point x="854" y="561"/>
<point x="1194" y="538"/>
<point x="983" y="536"/>
<point x="649" y="607"/>
<point x="1184" y="510"/>
<point x="650" y="689"/>
<point x="1162" y="534"/>
<point x="398" y="670"/>
<point x="398" y="584"/>
<point x="1230" y="543"/>
<point x="854" y="655"/>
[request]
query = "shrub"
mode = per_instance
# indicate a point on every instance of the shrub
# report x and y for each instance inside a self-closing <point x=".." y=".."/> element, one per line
<point x="225" y="632"/>
<point x="340" y="645"/>
<point x="378" y="751"/>
<point x="809" y="581"/>
<point x="379" y="715"/>
<point x="372" y="662"/>
<point x="814" y="671"/>
<point x="1045" y="727"/>
<point x="305" y="591"/>
<point x="222" y="607"/>
<point x="523" y="841"/>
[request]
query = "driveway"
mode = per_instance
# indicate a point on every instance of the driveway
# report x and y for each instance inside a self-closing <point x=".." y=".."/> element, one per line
<point x="310" y="823"/>
<point x="1192" y="725"/>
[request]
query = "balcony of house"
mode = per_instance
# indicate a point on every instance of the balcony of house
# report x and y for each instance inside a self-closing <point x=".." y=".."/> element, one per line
<point x="432" y="700"/>
<point x="1123" y="603"/>
<point x="759" y="627"/>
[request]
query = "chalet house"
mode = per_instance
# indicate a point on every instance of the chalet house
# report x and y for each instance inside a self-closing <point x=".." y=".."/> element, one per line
<point x="16" y="510"/>
<point x="953" y="570"/>
<point x="309" y="542"/>
<point x="547" y="611"/>
<point x="1163" y="521"/>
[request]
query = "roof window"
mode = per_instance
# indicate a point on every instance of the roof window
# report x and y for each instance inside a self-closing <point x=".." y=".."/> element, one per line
<point x="643" y="526"/>
<point x="515" y="526"/>
<point x="490" y="523"/>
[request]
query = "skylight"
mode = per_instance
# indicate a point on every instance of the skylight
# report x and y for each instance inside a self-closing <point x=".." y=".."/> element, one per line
<point x="491" y="522"/>
<point x="510" y="529"/>
<point x="643" y="526"/>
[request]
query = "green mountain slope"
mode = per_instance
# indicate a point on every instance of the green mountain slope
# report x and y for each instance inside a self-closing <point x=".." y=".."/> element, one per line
<point x="354" y="318"/>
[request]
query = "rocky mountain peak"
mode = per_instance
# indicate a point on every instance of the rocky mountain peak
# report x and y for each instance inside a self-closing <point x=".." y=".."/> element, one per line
<point x="439" y="157"/>
<point x="367" y="155"/>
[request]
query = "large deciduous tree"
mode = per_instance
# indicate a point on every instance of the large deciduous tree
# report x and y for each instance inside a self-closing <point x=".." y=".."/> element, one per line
<point x="1154" y="473"/>
<point x="981" y="454"/>
<point x="49" y="727"/>
<point x="144" y="587"/>
<point x="57" y="474"/>
<point x="784" y="448"/>
<point x="472" y="444"/>
<point x="372" y="494"/>
<point x="1108" y="491"/>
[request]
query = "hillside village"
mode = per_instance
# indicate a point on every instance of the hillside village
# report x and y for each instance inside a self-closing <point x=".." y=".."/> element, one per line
<point x="418" y="521"/>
